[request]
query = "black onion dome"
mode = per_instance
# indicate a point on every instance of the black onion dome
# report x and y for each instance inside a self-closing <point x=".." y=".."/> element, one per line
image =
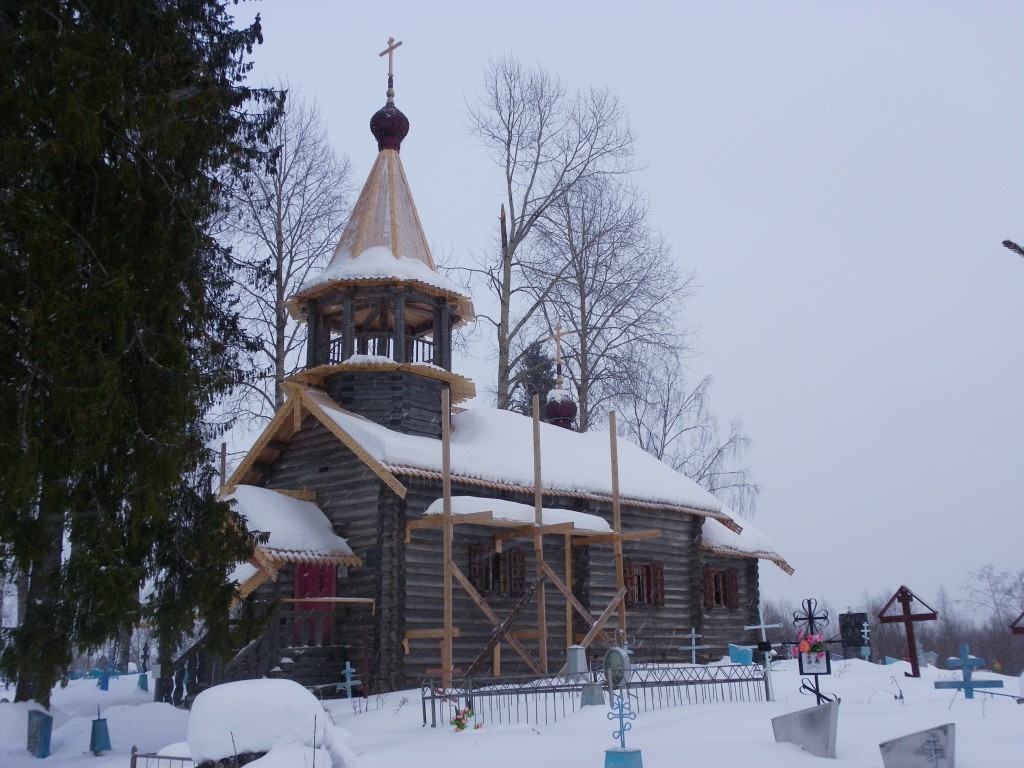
<point x="389" y="126"/>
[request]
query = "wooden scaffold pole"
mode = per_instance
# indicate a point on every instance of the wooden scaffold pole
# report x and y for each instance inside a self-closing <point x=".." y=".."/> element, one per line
<point x="617" y="522"/>
<point x="446" y="473"/>
<point x="538" y="539"/>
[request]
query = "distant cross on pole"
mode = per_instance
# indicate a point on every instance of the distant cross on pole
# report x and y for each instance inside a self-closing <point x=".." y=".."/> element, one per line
<point x="865" y="633"/>
<point x="692" y="637"/>
<point x="390" y="51"/>
<point x="557" y="336"/>
<point x="767" y="651"/>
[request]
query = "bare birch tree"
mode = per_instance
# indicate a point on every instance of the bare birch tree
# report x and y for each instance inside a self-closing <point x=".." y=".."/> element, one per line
<point x="285" y="223"/>
<point x="618" y="295"/>
<point x="547" y="140"/>
<point x="673" y="421"/>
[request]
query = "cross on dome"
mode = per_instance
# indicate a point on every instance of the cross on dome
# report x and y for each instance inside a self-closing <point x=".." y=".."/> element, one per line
<point x="390" y="51"/>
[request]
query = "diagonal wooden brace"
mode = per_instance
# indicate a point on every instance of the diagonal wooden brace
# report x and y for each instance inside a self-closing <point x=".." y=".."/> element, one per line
<point x="490" y="614"/>
<point x="506" y="625"/>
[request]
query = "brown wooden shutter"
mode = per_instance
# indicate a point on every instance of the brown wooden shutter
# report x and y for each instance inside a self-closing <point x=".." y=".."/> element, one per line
<point x="732" y="588"/>
<point x="516" y="572"/>
<point x="629" y="581"/>
<point x="709" y="588"/>
<point x="477" y="567"/>
<point x="657" y="584"/>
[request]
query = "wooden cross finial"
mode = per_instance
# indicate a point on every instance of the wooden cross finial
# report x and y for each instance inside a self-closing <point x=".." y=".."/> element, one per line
<point x="557" y="336"/>
<point x="390" y="51"/>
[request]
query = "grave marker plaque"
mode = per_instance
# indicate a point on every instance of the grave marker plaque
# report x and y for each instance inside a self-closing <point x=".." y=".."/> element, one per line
<point x="851" y="626"/>
<point x="933" y="748"/>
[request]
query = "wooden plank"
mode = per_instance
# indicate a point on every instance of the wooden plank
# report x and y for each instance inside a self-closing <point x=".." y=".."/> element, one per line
<point x="447" y="652"/>
<point x="605" y="538"/>
<point x="489" y="613"/>
<point x="617" y="520"/>
<point x="538" y="539"/>
<point x="429" y="634"/>
<point x="494" y="642"/>
<point x="437" y="521"/>
<point x="529" y="531"/>
<point x="599" y="624"/>
<point x="571" y="601"/>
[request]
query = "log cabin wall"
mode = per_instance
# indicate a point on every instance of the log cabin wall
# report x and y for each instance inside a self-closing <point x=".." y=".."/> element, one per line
<point x="398" y="400"/>
<point x="724" y="624"/>
<point x="654" y="632"/>
<point x="350" y="496"/>
<point x="424" y="595"/>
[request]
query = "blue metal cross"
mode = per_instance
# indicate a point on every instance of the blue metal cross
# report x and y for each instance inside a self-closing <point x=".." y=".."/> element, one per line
<point x="966" y="662"/>
<point x="622" y="712"/>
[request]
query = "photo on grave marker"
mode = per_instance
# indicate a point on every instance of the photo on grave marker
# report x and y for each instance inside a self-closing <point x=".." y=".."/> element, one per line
<point x="815" y="663"/>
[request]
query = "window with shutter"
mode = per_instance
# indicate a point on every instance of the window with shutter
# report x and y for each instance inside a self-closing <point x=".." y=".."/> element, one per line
<point x="517" y="573"/>
<point x="721" y="588"/>
<point x="732" y="588"/>
<point x="629" y="580"/>
<point x="657" y="584"/>
<point x="478" y="560"/>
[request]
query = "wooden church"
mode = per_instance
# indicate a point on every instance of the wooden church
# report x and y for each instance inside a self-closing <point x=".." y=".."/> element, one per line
<point x="412" y="538"/>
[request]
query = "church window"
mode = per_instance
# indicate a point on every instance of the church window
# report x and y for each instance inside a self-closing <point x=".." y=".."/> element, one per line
<point x="497" y="573"/>
<point x="645" y="582"/>
<point x="721" y="588"/>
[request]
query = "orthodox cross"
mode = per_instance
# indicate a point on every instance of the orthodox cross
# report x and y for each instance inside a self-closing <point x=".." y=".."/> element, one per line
<point x="966" y="662"/>
<point x="865" y="632"/>
<point x="905" y="597"/>
<point x="693" y="648"/>
<point x="390" y="51"/>
<point x="557" y="336"/>
<point x="810" y="620"/>
<point x="765" y="647"/>
<point x="621" y="711"/>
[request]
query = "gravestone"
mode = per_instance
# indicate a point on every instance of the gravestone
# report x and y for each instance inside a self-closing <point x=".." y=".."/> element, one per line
<point x="740" y="655"/>
<point x="576" y="660"/>
<point x="99" y="739"/>
<point x="933" y="748"/>
<point x="851" y="627"/>
<point x="40" y="726"/>
<point x="814" y="729"/>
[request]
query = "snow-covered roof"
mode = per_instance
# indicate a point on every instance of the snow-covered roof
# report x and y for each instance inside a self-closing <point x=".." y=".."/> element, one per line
<point x="749" y="542"/>
<point x="299" y="531"/>
<point x="514" y="512"/>
<point x="383" y="240"/>
<point x="495" y="445"/>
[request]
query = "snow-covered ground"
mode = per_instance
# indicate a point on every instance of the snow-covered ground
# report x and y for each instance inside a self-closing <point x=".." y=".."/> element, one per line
<point x="388" y="731"/>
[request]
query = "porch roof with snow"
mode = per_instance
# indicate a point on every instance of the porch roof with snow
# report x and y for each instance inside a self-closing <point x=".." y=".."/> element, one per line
<point x="297" y="532"/>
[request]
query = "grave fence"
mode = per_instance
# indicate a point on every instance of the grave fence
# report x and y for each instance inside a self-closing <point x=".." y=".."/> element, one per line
<point x="543" y="700"/>
<point x="153" y="760"/>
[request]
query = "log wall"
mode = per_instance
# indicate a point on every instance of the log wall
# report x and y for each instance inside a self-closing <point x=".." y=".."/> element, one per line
<point x="398" y="400"/>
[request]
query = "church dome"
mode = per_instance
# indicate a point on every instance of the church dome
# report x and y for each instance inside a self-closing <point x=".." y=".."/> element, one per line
<point x="389" y="126"/>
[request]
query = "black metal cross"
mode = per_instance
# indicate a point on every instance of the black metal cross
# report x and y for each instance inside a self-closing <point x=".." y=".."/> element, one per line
<point x="809" y="619"/>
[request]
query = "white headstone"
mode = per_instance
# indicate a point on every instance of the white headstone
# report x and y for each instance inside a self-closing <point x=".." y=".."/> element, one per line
<point x="814" y="729"/>
<point x="933" y="748"/>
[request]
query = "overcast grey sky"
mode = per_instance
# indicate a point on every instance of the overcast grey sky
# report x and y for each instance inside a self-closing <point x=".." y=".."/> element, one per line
<point x="839" y="175"/>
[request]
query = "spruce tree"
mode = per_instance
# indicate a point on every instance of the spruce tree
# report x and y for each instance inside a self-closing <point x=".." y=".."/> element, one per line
<point x="121" y="125"/>
<point x="535" y="375"/>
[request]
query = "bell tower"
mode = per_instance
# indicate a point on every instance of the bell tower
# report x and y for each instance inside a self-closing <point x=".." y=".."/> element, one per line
<point x="380" y="316"/>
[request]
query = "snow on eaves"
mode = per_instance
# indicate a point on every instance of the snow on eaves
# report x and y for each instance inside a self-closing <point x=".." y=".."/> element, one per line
<point x="521" y="513"/>
<point x="293" y="525"/>
<point x="379" y="263"/>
